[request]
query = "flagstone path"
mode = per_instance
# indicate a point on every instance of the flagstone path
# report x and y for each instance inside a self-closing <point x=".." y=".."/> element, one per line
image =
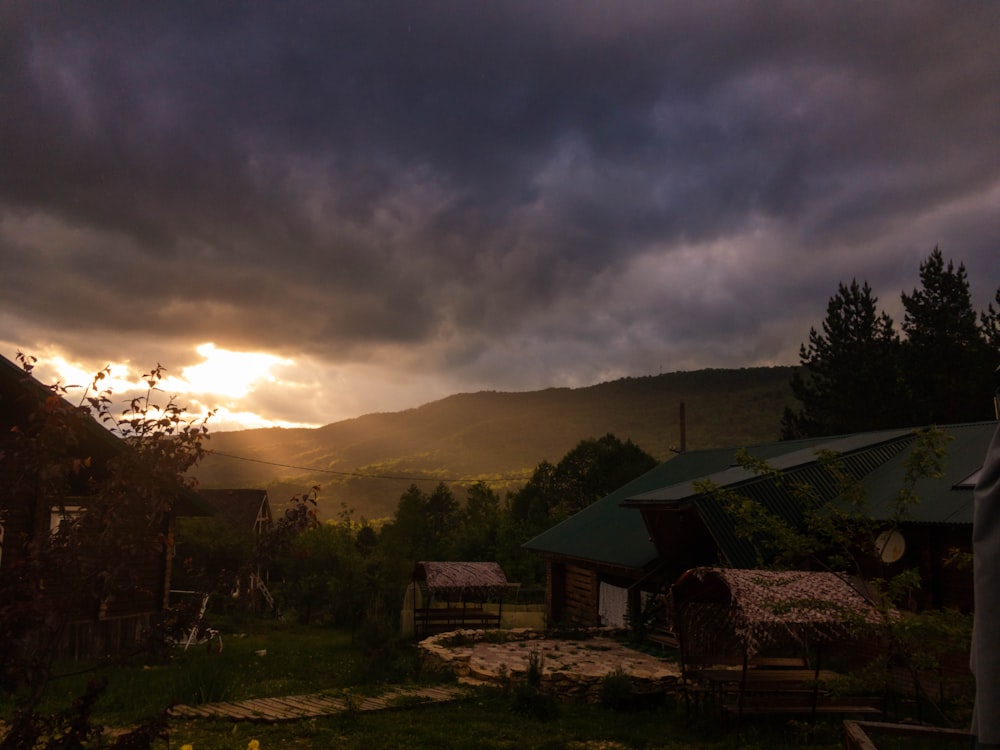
<point x="570" y="668"/>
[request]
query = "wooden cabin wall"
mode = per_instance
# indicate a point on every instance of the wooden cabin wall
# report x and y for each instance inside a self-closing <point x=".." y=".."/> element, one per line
<point x="572" y="593"/>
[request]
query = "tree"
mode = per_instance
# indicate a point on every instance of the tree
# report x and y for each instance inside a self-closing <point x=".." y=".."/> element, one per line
<point x="422" y="524"/>
<point x="857" y="374"/>
<point x="850" y="378"/>
<point x="949" y="363"/>
<point x="990" y="321"/>
<point x="591" y="470"/>
<point x="324" y="576"/>
<point x="477" y="534"/>
<point x="119" y="524"/>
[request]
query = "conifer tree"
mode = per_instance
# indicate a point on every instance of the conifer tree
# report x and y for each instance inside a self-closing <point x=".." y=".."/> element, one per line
<point x="850" y="378"/>
<point x="990" y="320"/>
<point x="948" y="361"/>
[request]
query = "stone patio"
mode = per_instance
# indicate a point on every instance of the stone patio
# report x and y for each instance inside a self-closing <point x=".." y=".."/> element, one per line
<point x="571" y="668"/>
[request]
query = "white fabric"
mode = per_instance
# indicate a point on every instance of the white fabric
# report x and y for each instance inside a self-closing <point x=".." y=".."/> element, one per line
<point x="985" y="655"/>
<point x="612" y="604"/>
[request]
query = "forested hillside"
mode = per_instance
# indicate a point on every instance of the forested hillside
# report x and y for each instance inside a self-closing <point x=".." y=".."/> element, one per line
<point x="366" y="463"/>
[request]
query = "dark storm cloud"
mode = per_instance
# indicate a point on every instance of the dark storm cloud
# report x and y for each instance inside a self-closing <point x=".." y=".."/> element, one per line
<point x="477" y="183"/>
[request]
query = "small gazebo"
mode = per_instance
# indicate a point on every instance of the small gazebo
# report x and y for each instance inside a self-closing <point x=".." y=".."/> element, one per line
<point x="453" y="595"/>
<point x="725" y="615"/>
<point x="769" y="622"/>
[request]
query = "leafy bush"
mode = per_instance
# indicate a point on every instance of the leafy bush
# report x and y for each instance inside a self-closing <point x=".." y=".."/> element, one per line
<point x="529" y="698"/>
<point x="617" y="690"/>
<point x="535" y="703"/>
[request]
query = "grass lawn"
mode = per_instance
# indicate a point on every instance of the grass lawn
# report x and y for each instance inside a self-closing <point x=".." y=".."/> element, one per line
<point x="489" y="722"/>
<point x="301" y="660"/>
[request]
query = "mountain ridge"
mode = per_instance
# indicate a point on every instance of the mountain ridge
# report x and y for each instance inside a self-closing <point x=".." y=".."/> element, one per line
<point x="365" y="463"/>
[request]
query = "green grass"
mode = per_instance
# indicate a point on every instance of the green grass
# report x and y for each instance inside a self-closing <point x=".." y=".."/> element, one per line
<point x="297" y="660"/>
<point x="487" y="722"/>
<point x="310" y="659"/>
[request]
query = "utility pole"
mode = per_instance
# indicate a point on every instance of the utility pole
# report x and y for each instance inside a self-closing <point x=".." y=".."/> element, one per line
<point x="683" y="429"/>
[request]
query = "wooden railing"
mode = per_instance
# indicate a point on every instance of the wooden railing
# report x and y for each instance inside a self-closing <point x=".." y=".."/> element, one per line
<point x="431" y="620"/>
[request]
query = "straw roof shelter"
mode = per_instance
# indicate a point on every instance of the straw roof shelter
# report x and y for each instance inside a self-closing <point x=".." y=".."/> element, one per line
<point x="727" y="615"/>
<point x="472" y="581"/>
<point x="441" y="594"/>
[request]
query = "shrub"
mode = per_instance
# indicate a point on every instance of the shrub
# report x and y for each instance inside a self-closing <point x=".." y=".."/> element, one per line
<point x="617" y="690"/>
<point x="534" y="703"/>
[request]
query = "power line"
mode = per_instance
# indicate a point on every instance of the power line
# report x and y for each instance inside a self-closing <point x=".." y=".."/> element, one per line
<point x="360" y="475"/>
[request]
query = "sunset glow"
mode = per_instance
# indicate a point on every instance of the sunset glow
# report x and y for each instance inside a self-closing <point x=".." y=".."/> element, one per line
<point x="225" y="374"/>
<point x="515" y="197"/>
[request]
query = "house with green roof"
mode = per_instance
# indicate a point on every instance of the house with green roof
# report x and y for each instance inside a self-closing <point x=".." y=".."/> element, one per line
<point x="642" y="537"/>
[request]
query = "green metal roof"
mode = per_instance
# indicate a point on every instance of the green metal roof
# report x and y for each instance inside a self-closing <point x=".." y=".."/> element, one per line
<point x="609" y="533"/>
<point x="786" y="457"/>
<point x="777" y="499"/>
<point x="876" y="460"/>
<point x="944" y="500"/>
<point x="612" y="531"/>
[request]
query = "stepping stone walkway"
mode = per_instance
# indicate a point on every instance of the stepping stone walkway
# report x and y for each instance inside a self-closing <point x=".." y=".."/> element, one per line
<point x="569" y="668"/>
<point x="295" y="707"/>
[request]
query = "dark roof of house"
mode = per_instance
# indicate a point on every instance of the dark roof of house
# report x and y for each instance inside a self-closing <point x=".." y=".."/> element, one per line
<point x="21" y="394"/>
<point x="240" y="508"/>
<point x="606" y="532"/>
<point x="947" y="500"/>
<point x="610" y="531"/>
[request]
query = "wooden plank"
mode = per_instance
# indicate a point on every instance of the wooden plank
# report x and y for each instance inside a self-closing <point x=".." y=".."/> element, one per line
<point x="855" y="737"/>
<point x="267" y="709"/>
<point x="322" y="704"/>
<point x="290" y="708"/>
<point x="435" y="693"/>
<point x="915" y="731"/>
<point x="230" y="711"/>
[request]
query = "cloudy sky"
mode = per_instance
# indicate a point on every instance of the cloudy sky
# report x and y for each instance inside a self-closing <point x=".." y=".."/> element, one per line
<point x="308" y="211"/>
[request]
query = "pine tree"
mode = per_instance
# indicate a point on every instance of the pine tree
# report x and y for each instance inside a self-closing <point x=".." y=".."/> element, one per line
<point x="949" y="364"/>
<point x="990" y="321"/>
<point x="850" y="377"/>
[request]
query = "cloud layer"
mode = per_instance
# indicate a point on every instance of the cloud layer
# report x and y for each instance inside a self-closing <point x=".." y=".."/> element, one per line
<point x="410" y="199"/>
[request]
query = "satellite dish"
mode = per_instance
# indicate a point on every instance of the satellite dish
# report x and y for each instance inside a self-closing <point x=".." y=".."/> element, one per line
<point x="890" y="546"/>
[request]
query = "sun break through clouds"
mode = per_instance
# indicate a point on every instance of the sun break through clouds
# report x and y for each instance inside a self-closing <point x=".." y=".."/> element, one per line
<point x="403" y="200"/>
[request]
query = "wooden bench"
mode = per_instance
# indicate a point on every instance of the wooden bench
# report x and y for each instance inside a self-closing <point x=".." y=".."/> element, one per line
<point x="783" y="689"/>
<point x="802" y="703"/>
<point x="663" y="638"/>
<point x="778" y="662"/>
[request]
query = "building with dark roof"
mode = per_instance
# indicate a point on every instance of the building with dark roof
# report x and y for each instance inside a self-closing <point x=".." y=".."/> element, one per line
<point x="642" y="537"/>
<point x="42" y="435"/>
<point x="245" y="510"/>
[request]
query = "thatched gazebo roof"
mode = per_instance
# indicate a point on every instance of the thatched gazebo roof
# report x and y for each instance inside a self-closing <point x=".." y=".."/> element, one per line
<point x="740" y="612"/>
<point x="469" y="580"/>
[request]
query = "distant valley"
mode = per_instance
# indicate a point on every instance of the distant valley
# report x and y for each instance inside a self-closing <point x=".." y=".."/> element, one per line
<point x="365" y="464"/>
